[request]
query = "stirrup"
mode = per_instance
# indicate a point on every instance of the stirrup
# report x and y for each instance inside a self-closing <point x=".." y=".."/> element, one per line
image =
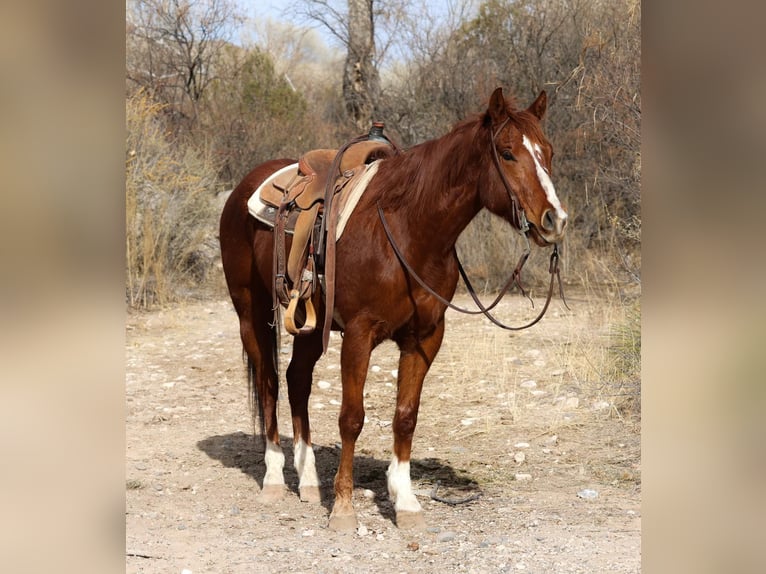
<point x="311" y="319"/>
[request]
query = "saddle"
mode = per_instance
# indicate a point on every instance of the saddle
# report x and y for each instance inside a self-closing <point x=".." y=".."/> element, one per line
<point x="300" y="200"/>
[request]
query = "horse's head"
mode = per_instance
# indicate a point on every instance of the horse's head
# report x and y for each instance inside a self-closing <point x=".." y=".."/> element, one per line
<point x="522" y="155"/>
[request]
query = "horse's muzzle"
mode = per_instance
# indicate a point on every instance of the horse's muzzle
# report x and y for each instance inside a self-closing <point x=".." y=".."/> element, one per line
<point x="553" y="223"/>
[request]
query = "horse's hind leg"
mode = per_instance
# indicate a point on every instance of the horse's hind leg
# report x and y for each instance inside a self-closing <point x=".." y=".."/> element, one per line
<point x="259" y="341"/>
<point x="306" y="352"/>
<point x="414" y="362"/>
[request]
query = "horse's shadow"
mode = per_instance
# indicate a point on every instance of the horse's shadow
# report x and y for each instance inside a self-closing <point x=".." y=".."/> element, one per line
<point x="245" y="452"/>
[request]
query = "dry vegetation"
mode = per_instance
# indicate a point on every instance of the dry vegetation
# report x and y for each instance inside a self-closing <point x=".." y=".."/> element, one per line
<point x="169" y="212"/>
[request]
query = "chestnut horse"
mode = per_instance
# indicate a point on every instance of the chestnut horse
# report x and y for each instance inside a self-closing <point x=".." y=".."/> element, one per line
<point x="499" y="160"/>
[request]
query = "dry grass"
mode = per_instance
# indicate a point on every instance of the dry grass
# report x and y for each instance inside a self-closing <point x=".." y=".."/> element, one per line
<point x="170" y="213"/>
<point x="591" y="353"/>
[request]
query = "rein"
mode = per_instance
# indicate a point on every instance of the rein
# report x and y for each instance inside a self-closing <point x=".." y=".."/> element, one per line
<point x="519" y="221"/>
<point x="482" y="310"/>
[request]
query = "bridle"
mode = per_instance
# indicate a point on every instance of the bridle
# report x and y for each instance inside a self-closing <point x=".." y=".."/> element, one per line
<point x="519" y="221"/>
<point x="519" y="218"/>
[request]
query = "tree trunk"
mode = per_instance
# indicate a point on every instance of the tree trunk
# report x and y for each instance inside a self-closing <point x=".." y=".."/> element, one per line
<point x="360" y="77"/>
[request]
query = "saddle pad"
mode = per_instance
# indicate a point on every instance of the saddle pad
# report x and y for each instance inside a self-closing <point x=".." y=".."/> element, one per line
<point x="260" y="210"/>
<point x="347" y="201"/>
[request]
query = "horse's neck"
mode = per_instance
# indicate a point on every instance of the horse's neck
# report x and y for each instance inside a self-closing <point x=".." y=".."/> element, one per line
<point x="444" y="198"/>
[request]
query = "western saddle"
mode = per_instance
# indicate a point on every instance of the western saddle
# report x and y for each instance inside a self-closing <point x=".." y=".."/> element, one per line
<point x="303" y="202"/>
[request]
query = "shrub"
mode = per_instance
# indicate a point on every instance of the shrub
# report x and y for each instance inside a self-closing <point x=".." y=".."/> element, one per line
<point x="170" y="213"/>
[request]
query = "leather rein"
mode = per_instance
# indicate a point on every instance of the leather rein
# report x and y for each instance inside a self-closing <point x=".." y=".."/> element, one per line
<point x="519" y="221"/>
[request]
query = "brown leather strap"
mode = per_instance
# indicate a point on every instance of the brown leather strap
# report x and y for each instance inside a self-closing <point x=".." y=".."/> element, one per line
<point x="553" y="268"/>
<point x="331" y="219"/>
<point x="329" y="193"/>
<point x="280" y="268"/>
<point x="514" y="279"/>
<point x="517" y="211"/>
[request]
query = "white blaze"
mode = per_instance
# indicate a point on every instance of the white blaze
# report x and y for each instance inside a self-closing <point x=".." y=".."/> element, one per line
<point x="545" y="179"/>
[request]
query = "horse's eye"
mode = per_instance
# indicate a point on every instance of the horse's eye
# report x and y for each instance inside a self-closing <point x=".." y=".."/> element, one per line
<point x="508" y="156"/>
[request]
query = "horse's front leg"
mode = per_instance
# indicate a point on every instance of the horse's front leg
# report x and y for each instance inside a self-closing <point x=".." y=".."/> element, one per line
<point x="354" y="360"/>
<point x="414" y="362"/>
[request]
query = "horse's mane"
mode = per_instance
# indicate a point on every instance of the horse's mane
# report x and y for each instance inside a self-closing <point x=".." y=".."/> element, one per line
<point x="411" y="178"/>
<point x="423" y="173"/>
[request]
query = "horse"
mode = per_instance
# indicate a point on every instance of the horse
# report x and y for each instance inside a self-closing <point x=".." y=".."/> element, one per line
<point x="407" y="221"/>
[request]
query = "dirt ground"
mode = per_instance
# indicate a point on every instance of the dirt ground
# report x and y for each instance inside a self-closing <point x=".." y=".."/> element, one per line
<point x="518" y="419"/>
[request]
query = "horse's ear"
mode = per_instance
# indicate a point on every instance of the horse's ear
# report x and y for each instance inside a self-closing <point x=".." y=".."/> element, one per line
<point x="497" y="107"/>
<point x="538" y="107"/>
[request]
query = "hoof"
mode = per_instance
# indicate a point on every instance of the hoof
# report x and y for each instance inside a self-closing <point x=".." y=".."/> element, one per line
<point x="310" y="494"/>
<point x="343" y="523"/>
<point x="410" y="520"/>
<point x="272" y="493"/>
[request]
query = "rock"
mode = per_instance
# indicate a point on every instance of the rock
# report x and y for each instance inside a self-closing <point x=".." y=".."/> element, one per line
<point x="528" y="384"/>
<point x="571" y="403"/>
<point x="362" y="530"/>
<point x="521" y="476"/>
<point x="495" y="540"/>
<point x="375" y="369"/>
<point x="521" y="445"/>
<point x="601" y="405"/>
<point x="324" y="384"/>
<point x="445" y="536"/>
<point x="519" y="457"/>
<point x="552" y="440"/>
<point x="588" y="494"/>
